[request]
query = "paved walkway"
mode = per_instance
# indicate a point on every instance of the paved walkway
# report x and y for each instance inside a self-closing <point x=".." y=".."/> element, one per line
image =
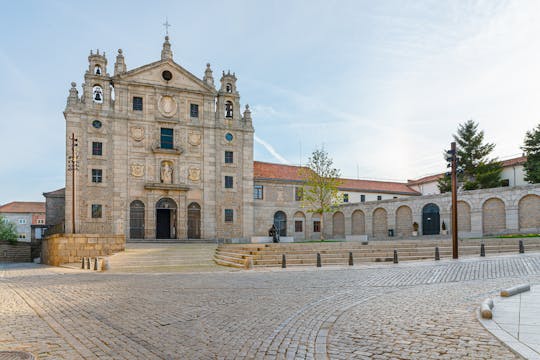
<point x="424" y="310"/>
<point x="516" y="321"/>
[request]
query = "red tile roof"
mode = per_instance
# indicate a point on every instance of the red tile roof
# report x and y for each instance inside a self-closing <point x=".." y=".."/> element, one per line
<point x="515" y="161"/>
<point x="270" y="171"/>
<point x="430" y="178"/>
<point x="23" y="207"/>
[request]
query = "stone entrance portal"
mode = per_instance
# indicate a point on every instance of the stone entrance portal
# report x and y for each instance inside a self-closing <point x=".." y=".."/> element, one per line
<point x="166" y="219"/>
<point x="280" y="221"/>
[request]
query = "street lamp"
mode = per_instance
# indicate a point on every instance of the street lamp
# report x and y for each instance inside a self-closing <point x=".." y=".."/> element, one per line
<point x="73" y="166"/>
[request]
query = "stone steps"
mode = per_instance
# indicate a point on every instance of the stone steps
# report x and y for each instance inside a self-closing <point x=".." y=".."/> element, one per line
<point x="171" y="241"/>
<point x="270" y="255"/>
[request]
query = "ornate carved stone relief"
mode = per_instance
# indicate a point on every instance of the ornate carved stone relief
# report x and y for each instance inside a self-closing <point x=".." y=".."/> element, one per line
<point x="194" y="138"/>
<point x="137" y="133"/>
<point x="167" y="106"/>
<point x="137" y="170"/>
<point x="194" y="174"/>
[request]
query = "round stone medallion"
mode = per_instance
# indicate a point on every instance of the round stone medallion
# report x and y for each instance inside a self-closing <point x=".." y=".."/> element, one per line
<point x="167" y="106"/>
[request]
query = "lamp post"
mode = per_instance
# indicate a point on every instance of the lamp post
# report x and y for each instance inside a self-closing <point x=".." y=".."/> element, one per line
<point x="452" y="158"/>
<point x="73" y="166"/>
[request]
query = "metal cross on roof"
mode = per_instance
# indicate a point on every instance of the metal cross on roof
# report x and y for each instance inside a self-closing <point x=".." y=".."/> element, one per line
<point x="167" y="25"/>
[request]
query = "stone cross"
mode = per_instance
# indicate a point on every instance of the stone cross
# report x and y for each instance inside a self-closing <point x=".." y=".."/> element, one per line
<point x="167" y="25"/>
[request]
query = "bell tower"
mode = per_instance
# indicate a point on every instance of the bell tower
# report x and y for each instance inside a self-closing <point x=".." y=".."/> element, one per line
<point x="97" y="88"/>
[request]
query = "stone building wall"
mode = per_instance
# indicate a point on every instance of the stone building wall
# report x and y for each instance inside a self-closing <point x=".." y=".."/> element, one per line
<point x="19" y="252"/>
<point x="480" y="212"/>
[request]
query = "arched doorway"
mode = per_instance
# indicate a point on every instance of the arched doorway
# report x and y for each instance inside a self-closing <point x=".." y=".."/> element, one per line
<point x="166" y="219"/>
<point x="280" y="221"/>
<point x="338" y="224"/>
<point x="136" y="220"/>
<point x="431" y="220"/>
<point x="194" y="221"/>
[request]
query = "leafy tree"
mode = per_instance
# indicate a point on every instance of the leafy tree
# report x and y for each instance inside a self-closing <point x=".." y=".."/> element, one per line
<point x="479" y="172"/>
<point x="531" y="148"/>
<point x="7" y="230"/>
<point x="320" y="188"/>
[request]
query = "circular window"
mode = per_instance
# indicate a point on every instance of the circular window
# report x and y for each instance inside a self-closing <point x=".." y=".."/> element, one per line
<point x="96" y="124"/>
<point x="167" y="75"/>
<point x="228" y="136"/>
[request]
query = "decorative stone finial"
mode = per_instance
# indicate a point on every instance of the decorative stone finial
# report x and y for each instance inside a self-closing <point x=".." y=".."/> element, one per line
<point x="166" y="52"/>
<point x="247" y="114"/>
<point x="208" y="77"/>
<point x="119" y="65"/>
<point x="73" y="97"/>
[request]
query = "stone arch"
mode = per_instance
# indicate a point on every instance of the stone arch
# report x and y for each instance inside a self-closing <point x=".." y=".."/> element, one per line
<point x="493" y="216"/>
<point x="280" y="221"/>
<point x="380" y="223"/>
<point x="431" y="219"/>
<point x="136" y="220"/>
<point x="338" y="225"/>
<point x="299" y="224"/>
<point x="194" y="221"/>
<point x="529" y="212"/>
<point x="358" y="223"/>
<point x="166" y="218"/>
<point x="464" y="216"/>
<point x="404" y="221"/>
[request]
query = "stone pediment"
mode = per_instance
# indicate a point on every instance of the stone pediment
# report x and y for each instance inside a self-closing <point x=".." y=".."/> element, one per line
<point x="152" y="74"/>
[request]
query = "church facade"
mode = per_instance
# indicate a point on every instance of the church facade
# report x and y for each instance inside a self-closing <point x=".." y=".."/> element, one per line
<point x="159" y="153"/>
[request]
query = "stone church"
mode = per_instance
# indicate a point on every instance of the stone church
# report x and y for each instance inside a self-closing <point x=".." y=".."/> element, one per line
<point x="159" y="152"/>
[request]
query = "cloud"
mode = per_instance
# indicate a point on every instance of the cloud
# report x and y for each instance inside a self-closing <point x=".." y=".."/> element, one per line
<point x="271" y="150"/>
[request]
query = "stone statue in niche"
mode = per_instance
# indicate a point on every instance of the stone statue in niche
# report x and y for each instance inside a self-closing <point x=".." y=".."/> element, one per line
<point x="166" y="172"/>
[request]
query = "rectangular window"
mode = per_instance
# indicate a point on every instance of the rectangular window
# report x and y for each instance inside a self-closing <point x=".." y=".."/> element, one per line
<point x="229" y="215"/>
<point x="379" y="197"/>
<point x="167" y="138"/>
<point x="228" y="157"/>
<point x="137" y="103"/>
<point x="345" y="198"/>
<point x="316" y="226"/>
<point x="194" y="110"/>
<point x="505" y="182"/>
<point x="298" y="226"/>
<point x="362" y="198"/>
<point x="96" y="211"/>
<point x="97" y="175"/>
<point x="22" y="221"/>
<point x="40" y="221"/>
<point x="298" y="194"/>
<point x="22" y="236"/>
<point x="228" y="182"/>
<point x="258" y="192"/>
<point x="97" y="148"/>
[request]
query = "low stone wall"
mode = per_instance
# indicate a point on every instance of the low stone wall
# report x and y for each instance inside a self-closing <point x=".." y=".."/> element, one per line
<point x="19" y="252"/>
<point x="60" y="249"/>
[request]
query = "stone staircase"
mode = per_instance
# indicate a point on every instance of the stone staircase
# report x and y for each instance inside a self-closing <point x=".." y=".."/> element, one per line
<point x="172" y="241"/>
<point x="337" y="253"/>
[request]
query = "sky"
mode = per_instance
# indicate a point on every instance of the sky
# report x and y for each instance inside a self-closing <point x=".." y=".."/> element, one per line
<point x="381" y="85"/>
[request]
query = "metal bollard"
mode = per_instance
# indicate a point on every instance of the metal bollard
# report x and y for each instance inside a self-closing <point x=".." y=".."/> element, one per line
<point x="283" y="261"/>
<point x="521" y="247"/>
<point x="319" y="264"/>
<point x="88" y="263"/>
<point x="482" y="250"/>
<point x="395" y="257"/>
<point x="82" y="263"/>
<point x="437" y="254"/>
<point x="96" y="263"/>
<point x="351" y="261"/>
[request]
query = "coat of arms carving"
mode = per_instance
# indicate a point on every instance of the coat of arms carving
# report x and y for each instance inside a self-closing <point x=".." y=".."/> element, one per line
<point x="194" y="174"/>
<point x="137" y="133"/>
<point x="137" y="170"/>
<point x="194" y="139"/>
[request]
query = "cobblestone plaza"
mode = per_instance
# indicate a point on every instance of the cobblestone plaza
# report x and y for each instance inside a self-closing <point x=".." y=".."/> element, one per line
<point x="415" y="310"/>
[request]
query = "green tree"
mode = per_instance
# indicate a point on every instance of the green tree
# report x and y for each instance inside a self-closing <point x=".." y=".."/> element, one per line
<point x="531" y="148"/>
<point x="7" y="230"/>
<point x="320" y="187"/>
<point x="479" y="172"/>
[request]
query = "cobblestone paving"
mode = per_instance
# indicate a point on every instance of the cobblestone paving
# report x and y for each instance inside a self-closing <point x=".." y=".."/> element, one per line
<point x="405" y="311"/>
